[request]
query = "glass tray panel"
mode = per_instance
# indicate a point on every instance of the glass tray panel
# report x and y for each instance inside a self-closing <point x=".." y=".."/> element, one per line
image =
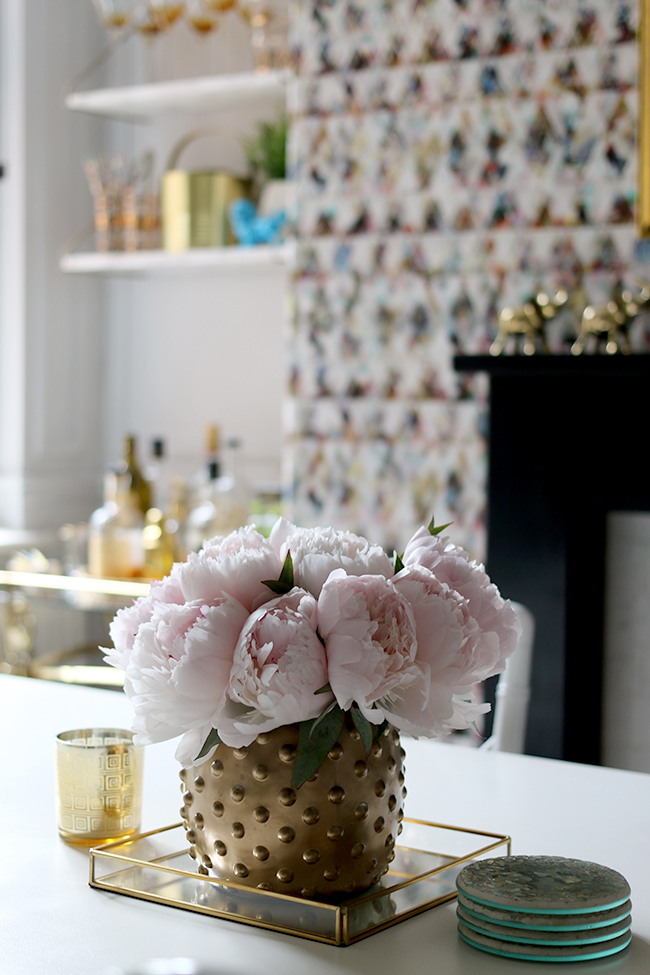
<point x="156" y="866"/>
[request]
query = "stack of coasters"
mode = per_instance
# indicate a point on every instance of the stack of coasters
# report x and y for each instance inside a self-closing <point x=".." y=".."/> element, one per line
<point x="543" y="908"/>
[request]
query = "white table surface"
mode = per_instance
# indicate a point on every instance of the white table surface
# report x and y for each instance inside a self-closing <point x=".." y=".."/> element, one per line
<point x="53" y="923"/>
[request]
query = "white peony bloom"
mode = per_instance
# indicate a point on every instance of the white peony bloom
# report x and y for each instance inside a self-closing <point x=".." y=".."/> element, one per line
<point x="315" y="552"/>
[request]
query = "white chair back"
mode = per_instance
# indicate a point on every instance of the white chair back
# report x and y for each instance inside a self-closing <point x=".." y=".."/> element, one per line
<point x="513" y="691"/>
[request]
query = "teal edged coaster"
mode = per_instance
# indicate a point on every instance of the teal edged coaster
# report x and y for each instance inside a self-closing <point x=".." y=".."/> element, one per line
<point x="543" y="885"/>
<point x="544" y="922"/>
<point x="545" y="953"/>
<point x="557" y="939"/>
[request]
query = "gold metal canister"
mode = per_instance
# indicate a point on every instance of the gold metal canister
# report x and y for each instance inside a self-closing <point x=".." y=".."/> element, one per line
<point x="195" y="205"/>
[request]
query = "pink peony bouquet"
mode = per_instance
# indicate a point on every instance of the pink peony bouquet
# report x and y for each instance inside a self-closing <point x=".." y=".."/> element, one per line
<point x="253" y="633"/>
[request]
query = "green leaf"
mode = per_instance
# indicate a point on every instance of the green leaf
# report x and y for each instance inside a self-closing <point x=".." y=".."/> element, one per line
<point x="284" y="584"/>
<point x="212" y="739"/>
<point x="436" y="531"/>
<point x="325" y="689"/>
<point x="315" y="740"/>
<point x="286" y="576"/>
<point x="379" y="730"/>
<point x="399" y="565"/>
<point x="364" y="728"/>
<point x="321" y="717"/>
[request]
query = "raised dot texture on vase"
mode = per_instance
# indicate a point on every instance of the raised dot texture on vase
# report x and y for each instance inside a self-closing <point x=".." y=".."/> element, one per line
<point x="335" y="833"/>
<point x="361" y="811"/>
<point x="284" y="875"/>
<point x="220" y="847"/>
<point x="199" y="783"/>
<point x="376" y="749"/>
<point x="308" y="892"/>
<point x="380" y="788"/>
<point x="203" y="870"/>
<point x="217" y="809"/>
<point x="241" y="870"/>
<point x="191" y="836"/>
<point x="372" y="865"/>
<point x="379" y="824"/>
<point x="188" y="798"/>
<point x="260" y="853"/>
<point x="240" y="752"/>
<point x="263" y="738"/>
<point x="392" y="802"/>
<point x="207" y="862"/>
<point x="287" y="754"/>
<point x="237" y="793"/>
<point x="217" y="768"/>
<point x="400" y="778"/>
<point x="264" y="886"/>
<point x="310" y="816"/>
<point x="286" y="797"/>
<point x="260" y="773"/>
<point x="261" y="814"/>
<point x="391" y="765"/>
<point x="237" y="830"/>
<point x="311" y="856"/>
<point x="286" y="834"/>
<point x="336" y="794"/>
<point x="335" y="752"/>
<point x="198" y="821"/>
<point x="331" y="873"/>
<point x="358" y="850"/>
<point x="360" y="769"/>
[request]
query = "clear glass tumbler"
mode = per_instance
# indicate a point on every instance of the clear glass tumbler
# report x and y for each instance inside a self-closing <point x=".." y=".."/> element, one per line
<point x="98" y="785"/>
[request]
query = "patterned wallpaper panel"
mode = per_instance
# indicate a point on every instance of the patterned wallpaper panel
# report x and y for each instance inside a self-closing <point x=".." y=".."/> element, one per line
<point x="450" y="157"/>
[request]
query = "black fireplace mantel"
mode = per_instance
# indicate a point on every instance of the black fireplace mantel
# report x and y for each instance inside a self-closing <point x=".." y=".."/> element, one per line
<point x="568" y="444"/>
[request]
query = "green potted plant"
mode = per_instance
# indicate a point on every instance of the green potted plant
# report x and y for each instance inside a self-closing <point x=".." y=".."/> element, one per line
<point x="266" y="156"/>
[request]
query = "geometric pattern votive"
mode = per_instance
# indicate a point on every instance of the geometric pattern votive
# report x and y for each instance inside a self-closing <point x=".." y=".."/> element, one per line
<point x="99" y="785"/>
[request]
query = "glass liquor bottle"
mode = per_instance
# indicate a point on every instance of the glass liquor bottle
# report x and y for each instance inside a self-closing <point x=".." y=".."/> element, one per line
<point x="115" y="542"/>
<point x="138" y="486"/>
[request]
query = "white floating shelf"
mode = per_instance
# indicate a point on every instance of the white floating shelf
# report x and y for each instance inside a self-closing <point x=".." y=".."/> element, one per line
<point x="217" y="92"/>
<point x="200" y="258"/>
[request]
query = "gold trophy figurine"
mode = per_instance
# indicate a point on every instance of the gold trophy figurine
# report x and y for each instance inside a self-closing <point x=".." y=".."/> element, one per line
<point x="528" y="323"/>
<point x="609" y="323"/>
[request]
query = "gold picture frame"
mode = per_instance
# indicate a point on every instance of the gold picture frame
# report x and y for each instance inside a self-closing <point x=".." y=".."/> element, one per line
<point x="643" y="159"/>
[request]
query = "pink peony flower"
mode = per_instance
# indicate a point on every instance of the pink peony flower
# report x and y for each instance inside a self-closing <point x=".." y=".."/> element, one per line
<point x="369" y="633"/>
<point x="448" y="639"/>
<point x="179" y="667"/>
<point x="279" y="664"/>
<point x="316" y="552"/>
<point x="237" y="564"/>
<point x="127" y="621"/>
<point x="497" y="622"/>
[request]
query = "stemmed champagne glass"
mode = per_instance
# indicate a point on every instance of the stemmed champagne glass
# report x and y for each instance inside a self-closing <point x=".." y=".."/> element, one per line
<point x="202" y="16"/>
<point x="115" y="15"/>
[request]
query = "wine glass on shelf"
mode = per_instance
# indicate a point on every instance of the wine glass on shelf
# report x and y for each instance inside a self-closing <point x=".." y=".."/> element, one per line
<point x="202" y="16"/>
<point x="165" y="12"/>
<point x="221" y="6"/>
<point x="115" y="15"/>
<point x="204" y="20"/>
<point x="269" y="24"/>
<point x="257" y="13"/>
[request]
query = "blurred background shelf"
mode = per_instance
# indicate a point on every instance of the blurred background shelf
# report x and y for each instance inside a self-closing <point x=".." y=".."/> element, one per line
<point x="208" y="258"/>
<point x="215" y="93"/>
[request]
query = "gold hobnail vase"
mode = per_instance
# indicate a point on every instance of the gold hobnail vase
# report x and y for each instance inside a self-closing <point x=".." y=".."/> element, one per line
<point x="335" y="835"/>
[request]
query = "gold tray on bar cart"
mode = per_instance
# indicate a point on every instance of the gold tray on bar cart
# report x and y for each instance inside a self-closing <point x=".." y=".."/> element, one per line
<point x="156" y="866"/>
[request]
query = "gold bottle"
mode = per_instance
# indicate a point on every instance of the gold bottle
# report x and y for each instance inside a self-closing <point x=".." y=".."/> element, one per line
<point x="139" y="487"/>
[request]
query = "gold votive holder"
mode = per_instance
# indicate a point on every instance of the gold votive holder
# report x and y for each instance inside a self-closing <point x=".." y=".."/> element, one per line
<point x="98" y="785"/>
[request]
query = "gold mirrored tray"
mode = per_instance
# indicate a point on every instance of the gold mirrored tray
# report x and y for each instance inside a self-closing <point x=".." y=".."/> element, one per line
<point x="156" y="866"/>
